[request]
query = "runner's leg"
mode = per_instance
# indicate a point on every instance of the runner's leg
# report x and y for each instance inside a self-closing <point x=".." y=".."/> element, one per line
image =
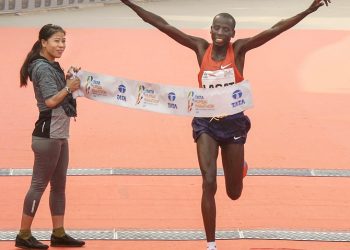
<point x="233" y="162"/>
<point x="207" y="152"/>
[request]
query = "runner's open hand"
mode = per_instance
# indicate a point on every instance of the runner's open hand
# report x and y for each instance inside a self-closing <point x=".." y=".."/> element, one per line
<point x="317" y="4"/>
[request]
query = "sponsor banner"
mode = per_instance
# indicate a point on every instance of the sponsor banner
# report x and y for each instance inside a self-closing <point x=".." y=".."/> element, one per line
<point x="161" y="98"/>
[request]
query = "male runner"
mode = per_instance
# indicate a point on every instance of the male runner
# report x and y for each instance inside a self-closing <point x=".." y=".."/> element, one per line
<point x="221" y="63"/>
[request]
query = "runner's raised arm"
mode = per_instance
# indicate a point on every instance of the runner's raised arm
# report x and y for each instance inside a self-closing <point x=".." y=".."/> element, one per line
<point x="195" y="43"/>
<point x="283" y="25"/>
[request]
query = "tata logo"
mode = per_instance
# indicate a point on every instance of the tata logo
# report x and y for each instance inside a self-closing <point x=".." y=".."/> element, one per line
<point x="171" y="96"/>
<point x="122" y="88"/>
<point x="121" y="98"/>
<point x="238" y="103"/>
<point x="172" y="106"/>
<point x="237" y="94"/>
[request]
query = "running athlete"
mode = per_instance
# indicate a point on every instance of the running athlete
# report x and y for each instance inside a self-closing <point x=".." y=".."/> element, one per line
<point x="221" y="63"/>
<point x="50" y="136"/>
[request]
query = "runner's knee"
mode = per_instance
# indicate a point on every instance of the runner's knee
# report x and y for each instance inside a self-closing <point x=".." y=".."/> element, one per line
<point x="234" y="193"/>
<point x="209" y="184"/>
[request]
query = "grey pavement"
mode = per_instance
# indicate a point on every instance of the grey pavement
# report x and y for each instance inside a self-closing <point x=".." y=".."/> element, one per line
<point x="196" y="14"/>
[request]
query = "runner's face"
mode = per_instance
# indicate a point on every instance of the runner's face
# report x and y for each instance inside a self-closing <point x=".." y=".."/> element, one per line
<point x="222" y="31"/>
<point x="54" y="46"/>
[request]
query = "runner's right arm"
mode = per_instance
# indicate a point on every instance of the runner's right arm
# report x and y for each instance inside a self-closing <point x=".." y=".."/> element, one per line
<point x="195" y="43"/>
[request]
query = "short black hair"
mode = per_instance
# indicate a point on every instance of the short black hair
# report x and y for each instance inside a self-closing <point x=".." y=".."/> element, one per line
<point x="228" y="16"/>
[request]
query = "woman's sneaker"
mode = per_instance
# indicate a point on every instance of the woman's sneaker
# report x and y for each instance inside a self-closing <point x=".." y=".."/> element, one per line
<point x="65" y="241"/>
<point x="30" y="243"/>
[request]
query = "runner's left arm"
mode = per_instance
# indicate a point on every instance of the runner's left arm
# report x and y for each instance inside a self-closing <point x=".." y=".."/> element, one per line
<point x="265" y="36"/>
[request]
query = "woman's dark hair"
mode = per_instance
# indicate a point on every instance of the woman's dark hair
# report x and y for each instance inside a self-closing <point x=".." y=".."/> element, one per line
<point x="44" y="34"/>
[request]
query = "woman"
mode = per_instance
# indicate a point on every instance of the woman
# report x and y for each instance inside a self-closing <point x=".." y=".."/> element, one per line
<point x="49" y="139"/>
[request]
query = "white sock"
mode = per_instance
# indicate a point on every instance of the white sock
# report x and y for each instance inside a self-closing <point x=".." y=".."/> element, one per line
<point x="211" y="245"/>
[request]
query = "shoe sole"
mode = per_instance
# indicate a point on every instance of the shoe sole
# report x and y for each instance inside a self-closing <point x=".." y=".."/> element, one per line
<point x="24" y="247"/>
<point x="66" y="245"/>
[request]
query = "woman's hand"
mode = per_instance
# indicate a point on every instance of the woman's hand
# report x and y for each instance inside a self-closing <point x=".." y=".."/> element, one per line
<point x="71" y="71"/>
<point x="73" y="84"/>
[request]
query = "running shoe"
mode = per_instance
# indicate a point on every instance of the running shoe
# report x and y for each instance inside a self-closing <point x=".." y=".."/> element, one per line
<point x="66" y="241"/>
<point x="30" y="243"/>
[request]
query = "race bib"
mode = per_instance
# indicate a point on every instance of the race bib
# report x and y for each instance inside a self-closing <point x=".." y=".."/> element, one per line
<point x="218" y="78"/>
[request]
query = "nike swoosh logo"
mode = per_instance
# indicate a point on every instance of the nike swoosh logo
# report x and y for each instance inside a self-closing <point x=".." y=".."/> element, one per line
<point x="237" y="137"/>
<point x="224" y="67"/>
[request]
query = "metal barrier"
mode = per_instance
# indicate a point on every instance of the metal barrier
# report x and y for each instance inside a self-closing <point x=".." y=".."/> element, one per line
<point x="14" y="6"/>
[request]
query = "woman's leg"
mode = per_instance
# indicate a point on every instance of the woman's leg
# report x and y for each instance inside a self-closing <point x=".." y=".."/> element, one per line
<point x="46" y="152"/>
<point x="59" y="238"/>
<point x="46" y="155"/>
<point x="58" y="187"/>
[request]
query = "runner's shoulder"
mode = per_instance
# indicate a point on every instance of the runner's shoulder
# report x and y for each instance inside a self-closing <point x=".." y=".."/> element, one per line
<point x="202" y="44"/>
<point x="239" y="45"/>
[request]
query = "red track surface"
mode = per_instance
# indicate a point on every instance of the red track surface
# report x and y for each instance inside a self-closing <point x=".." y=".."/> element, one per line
<point x="300" y="120"/>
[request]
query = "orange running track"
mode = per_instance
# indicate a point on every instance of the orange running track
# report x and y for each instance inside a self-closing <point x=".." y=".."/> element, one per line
<point x="300" y="120"/>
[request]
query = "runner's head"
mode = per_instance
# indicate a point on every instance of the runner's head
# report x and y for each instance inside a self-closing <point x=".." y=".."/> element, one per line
<point x="222" y="29"/>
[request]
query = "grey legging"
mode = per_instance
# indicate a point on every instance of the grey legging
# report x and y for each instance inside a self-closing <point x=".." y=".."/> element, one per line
<point x="50" y="165"/>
